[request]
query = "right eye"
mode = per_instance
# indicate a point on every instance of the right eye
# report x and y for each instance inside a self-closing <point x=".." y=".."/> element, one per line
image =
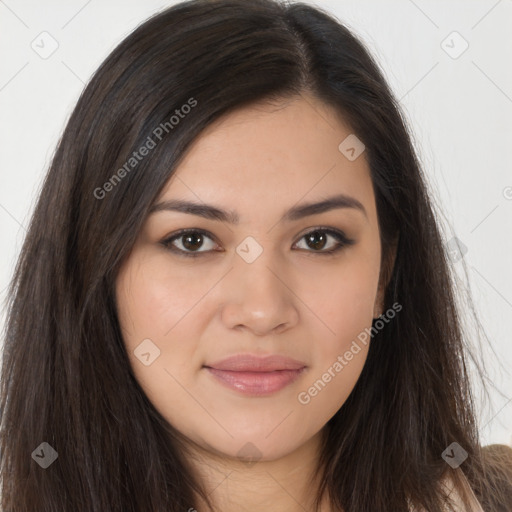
<point x="190" y="240"/>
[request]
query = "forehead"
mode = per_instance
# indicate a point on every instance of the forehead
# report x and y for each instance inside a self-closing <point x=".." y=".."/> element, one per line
<point x="268" y="156"/>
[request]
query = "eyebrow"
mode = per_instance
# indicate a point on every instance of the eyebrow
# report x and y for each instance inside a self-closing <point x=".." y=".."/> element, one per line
<point x="295" y="213"/>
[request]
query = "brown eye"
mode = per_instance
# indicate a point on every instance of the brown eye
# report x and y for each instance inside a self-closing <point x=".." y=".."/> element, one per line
<point x="192" y="241"/>
<point x="318" y="240"/>
<point x="188" y="242"/>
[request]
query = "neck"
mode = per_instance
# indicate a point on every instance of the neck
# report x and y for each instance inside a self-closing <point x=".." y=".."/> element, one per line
<point x="286" y="484"/>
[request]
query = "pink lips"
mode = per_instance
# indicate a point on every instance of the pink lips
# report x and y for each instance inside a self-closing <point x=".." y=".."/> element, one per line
<point x="256" y="375"/>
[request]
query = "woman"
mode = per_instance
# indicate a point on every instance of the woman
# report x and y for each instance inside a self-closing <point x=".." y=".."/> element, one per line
<point x="233" y="294"/>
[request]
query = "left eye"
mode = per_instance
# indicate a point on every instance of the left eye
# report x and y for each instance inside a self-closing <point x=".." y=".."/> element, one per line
<point x="318" y="239"/>
<point x="192" y="239"/>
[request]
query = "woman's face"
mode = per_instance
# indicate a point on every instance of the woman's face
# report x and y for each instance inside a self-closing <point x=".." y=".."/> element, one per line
<point x="263" y="285"/>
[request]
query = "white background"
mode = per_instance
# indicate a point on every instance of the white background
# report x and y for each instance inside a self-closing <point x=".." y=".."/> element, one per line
<point x="460" y="110"/>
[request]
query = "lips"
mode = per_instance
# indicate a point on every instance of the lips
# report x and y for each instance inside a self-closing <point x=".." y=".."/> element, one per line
<point x="256" y="375"/>
<point x="252" y="363"/>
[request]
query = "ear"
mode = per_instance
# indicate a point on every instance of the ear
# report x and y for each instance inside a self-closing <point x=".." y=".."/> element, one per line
<point x="386" y="270"/>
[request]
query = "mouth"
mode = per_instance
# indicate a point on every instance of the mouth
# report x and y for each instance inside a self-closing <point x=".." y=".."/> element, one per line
<point x="256" y="383"/>
<point x="256" y="375"/>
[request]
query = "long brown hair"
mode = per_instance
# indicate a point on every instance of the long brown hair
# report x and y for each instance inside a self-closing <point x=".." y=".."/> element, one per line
<point x="66" y="377"/>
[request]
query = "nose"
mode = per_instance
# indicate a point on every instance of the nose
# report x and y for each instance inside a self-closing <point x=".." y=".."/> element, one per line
<point x="259" y="297"/>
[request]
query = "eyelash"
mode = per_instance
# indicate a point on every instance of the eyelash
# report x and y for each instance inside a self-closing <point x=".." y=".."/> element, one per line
<point x="343" y="241"/>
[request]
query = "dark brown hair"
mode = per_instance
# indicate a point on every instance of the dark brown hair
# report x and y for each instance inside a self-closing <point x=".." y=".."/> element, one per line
<point x="66" y="377"/>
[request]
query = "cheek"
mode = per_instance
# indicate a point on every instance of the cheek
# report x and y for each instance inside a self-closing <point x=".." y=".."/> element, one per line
<point x="154" y="310"/>
<point x="345" y="299"/>
<point x="154" y="305"/>
<point x="329" y="386"/>
<point x="346" y="308"/>
<point x="339" y="357"/>
<point x="152" y="299"/>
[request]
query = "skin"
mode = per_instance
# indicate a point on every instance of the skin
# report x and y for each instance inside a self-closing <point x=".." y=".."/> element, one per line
<point x="292" y="300"/>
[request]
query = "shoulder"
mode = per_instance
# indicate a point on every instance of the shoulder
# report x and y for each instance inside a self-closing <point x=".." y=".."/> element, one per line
<point x="450" y="486"/>
<point x="455" y="493"/>
<point x="495" y="486"/>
